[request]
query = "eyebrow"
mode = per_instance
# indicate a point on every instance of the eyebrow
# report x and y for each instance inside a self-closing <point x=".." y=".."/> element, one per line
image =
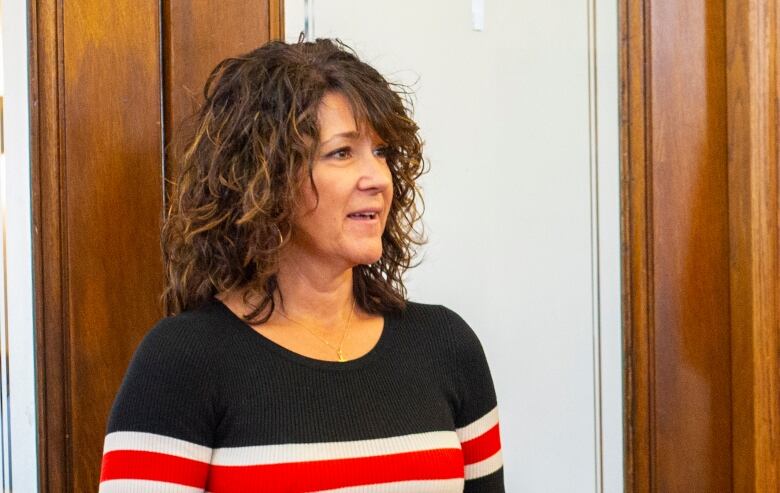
<point x="349" y="135"/>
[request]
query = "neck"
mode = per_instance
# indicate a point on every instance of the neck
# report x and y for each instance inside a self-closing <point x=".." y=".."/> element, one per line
<point x="315" y="293"/>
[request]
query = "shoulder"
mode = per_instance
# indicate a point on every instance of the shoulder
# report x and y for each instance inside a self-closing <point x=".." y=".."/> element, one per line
<point x="433" y="313"/>
<point x="170" y="387"/>
<point x="439" y="315"/>
<point x="445" y="322"/>
<point x="205" y="322"/>
<point x="189" y="339"/>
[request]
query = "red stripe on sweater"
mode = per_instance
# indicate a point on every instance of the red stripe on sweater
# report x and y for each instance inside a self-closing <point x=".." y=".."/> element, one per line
<point x="336" y="473"/>
<point x="481" y="447"/>
<point x="137" y="464"/>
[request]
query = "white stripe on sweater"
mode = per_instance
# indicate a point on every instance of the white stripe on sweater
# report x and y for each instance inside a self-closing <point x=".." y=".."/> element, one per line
<point x="282" y="453"/>
<point x="431" y="486"/>
<point x="478" y="426"/>
<point x="144" y="486"/>
<point x="152" y="442"/>
<point x="300" y="452"/>
<point x="484" y="467"/>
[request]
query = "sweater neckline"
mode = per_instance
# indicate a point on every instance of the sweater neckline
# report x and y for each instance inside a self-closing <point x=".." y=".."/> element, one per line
<point x="376" y="352"/>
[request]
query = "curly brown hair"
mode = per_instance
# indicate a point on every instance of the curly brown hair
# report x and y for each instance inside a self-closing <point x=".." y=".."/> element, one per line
<point x="231" y="205"/>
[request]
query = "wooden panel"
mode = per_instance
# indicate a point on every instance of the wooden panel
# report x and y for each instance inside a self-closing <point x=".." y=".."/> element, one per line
<point x="46" y="128"/>
<point x="702" y="245"/>
<point x="755" y="279"/>
<point x="638" y="246"/>
<point x="97" y="180"/>
<point x="691" y="330"/>
<point x="198" y="34"/>
<point x="676" y="246"/>
<point x="112" y="191"/>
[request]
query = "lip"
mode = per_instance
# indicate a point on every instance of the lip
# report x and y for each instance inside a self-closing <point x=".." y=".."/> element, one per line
<point x="365" y="222"/>
<point x="369" y="209"/>
<point x="377" y="212"/>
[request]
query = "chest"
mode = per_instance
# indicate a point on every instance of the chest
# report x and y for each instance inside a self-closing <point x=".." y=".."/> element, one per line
<point x="355" y="342"/>
<point x="303" y="430"/>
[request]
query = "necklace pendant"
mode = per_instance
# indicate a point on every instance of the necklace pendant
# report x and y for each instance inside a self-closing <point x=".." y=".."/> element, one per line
<point x="341" y="356"/>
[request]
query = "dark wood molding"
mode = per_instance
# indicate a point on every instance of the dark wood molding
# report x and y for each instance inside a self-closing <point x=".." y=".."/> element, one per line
<point x="276" y="19"/>
<point x="47" y="129"/>
<point x="636" y="233"/>
<point x="753" y="90"/>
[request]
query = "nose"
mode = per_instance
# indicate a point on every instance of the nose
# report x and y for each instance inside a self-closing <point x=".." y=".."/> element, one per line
<point x="374" y="172"/>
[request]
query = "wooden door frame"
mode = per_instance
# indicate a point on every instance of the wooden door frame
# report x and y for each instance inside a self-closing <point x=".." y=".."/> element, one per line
<point x="46" y="153"/>
<point x="751" y="72"/>
<point x="634" y="233"/>
<point x="753" y="91"/>
<point x="54" y="327"/>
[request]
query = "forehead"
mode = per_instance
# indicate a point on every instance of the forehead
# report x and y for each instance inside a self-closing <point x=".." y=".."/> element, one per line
<point x="335" y="116"/>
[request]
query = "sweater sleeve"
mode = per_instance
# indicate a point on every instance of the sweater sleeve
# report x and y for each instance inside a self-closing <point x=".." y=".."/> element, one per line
<point x="476" y="418"/>
<point x="161" y="425"/>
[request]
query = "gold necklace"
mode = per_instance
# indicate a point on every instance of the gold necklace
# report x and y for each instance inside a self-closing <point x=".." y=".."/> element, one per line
<point x="346" y="327"/>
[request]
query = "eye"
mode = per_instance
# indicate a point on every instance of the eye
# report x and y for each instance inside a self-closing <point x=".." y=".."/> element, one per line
<point x="341" y="153"/>
<point x="382" y="151"/>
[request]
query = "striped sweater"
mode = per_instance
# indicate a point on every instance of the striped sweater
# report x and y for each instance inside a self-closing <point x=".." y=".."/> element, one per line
<point x="209" y="404"/>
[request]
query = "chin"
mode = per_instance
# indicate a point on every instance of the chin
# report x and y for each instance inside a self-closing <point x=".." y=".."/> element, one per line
<point x="369" y="261"/>
<point x="368" y="258"/>
<point x="364" y="253"/>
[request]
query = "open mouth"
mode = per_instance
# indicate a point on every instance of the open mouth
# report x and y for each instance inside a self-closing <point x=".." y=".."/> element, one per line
<point x="363" y="216"/>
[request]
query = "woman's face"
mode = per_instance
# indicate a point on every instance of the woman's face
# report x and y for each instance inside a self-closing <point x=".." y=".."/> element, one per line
<point x="355" y="189"/>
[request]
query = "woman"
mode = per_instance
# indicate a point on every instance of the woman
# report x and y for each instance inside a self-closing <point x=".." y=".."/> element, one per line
<point x="291" y="360"/>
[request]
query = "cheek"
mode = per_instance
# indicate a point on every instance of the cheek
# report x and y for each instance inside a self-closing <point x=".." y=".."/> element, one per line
<point x="309" y="204"/>
<point x="326" y="216"/>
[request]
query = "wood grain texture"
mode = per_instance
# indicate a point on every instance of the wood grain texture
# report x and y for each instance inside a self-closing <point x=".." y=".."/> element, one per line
<point x="691" y="330"/>
<point x="276" y="19"/>
<point x="45" y="151"/>
<point x="676" y="246"/>
<point x="753" y="93"/>
<point x="97" y="178"/>
<point x="636" y="221"/>
<point x="112" y="201"/>
<point x="198" y="34"/>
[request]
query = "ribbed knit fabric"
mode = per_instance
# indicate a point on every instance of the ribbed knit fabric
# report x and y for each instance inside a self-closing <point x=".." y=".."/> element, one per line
<point x="209" y="404"/>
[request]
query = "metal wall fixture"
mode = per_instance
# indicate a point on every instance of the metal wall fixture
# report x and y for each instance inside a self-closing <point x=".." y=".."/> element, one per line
<point x="308" y="20"/>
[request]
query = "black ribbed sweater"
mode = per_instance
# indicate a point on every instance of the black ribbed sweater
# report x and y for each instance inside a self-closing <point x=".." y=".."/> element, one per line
<point x="209" y="404"/>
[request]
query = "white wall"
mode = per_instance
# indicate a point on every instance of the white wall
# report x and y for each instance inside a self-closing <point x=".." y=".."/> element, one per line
<point x="521" y="127"/>
<point x="17" y="341"/>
